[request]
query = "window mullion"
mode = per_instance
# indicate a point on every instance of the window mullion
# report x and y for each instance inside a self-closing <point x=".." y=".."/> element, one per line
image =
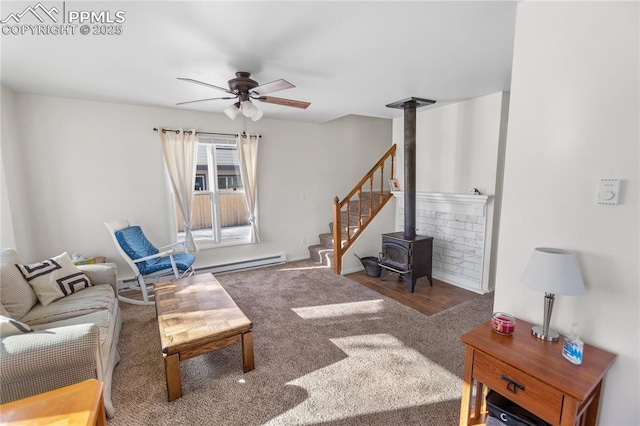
<point x="213" y="178"/>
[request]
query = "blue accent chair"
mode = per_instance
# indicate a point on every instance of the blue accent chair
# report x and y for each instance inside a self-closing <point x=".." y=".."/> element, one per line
<point x="149" y="263"/>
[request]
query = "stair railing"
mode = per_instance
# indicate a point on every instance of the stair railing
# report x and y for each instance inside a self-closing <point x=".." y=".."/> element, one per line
<point x="344" y="238"/>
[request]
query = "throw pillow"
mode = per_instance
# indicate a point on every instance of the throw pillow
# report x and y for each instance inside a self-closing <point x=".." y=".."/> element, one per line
<point x="16" y="295"/>
<point x="54" y="278"/>
<point x="11" y="327"/>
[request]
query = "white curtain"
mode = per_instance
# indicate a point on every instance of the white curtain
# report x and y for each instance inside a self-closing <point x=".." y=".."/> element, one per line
<point x="179" y="148"/>
<point x="248" y="159"/>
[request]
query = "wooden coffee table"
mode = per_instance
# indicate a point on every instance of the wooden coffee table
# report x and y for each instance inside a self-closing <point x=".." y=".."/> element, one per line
<point x="197" y="316"/>
<point x="78" y="404"/>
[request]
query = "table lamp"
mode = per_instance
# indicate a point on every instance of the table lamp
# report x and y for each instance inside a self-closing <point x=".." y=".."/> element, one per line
<point x="554" y="271"/>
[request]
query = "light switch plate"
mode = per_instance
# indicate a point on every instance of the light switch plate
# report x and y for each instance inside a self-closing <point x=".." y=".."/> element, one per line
<point x="608" y="191"/>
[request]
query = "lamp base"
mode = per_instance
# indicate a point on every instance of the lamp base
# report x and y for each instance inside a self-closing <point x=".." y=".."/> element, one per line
<point x="551" y="336"/>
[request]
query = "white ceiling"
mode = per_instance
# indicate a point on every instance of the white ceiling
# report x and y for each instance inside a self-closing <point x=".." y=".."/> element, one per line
<point x="343" y="57"/>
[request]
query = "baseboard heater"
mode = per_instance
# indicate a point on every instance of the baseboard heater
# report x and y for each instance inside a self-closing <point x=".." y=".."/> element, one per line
<point x="244" y="264"/>
<point x="224" y="268"/>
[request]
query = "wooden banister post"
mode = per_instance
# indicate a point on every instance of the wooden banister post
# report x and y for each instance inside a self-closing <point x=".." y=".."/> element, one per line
<point x="337" y="237"/>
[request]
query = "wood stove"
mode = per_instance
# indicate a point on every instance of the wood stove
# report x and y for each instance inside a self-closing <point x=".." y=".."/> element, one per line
<point x="406" y="253"/>
<point x="411" y="258"/>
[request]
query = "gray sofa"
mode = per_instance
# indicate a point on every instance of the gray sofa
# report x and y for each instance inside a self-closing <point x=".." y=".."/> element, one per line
<point x="74" y="338"/>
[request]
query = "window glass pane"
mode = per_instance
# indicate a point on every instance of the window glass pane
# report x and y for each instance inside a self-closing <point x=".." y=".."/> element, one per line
<point x="234" y="215"/>
<point x="220" y="213"/>
<point x="202" y="226"/>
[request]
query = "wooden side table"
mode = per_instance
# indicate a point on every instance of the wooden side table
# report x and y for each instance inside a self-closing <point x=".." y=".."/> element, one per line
<point x="78" y="404"/>
<point x="97" y="259"/>
<point x="533" y="374"/>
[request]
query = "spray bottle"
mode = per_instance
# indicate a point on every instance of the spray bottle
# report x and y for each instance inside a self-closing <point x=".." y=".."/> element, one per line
<point x="573" y="346"/>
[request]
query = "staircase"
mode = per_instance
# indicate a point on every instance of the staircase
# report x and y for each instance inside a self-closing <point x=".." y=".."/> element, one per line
<point x="352" y="215"/>
<point x="358" y="214"/>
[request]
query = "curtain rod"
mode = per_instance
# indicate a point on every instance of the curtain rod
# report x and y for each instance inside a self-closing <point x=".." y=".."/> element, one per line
<point x="155" y="129"/>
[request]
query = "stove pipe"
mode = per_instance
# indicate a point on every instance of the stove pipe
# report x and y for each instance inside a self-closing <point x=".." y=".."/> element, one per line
<point x="409" y="106"/>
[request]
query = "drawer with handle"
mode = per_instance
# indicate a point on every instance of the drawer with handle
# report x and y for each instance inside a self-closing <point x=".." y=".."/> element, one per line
<point x="526" y="391"/>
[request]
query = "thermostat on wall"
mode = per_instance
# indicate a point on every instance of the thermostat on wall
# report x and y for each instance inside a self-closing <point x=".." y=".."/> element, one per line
<point x="608" y="191"/>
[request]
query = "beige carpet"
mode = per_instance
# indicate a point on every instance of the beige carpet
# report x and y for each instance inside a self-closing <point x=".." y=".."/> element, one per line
<point x="328" y="351"/>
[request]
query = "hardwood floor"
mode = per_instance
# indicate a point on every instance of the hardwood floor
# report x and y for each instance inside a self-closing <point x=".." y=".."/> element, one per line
<point x="426" y="299"/>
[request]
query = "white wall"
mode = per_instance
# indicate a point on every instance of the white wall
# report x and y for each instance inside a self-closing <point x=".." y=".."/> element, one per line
<point x="459" y="147"/>
<point x="87" y="162"/>
<point x="7" y="238"/>
<point x="456" y="145"/>
<point x="574" y="119"/>
<point x="11" y="175"/>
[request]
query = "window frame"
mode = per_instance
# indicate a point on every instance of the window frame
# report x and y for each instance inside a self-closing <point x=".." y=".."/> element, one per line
<point x="211" y="179"/>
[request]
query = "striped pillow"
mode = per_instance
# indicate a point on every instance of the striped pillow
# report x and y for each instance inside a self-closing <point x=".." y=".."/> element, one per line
<point x="55" y="278"/>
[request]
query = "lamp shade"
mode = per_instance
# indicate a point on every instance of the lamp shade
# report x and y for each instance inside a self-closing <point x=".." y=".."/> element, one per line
<point x="248" y="109"/>
<point x="258" y="114"/>
<point x="554" y="271"/>
<point x="232" y="110"/>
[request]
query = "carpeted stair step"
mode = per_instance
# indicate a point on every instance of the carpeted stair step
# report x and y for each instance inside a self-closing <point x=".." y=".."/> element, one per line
<point x="321" y="254"/>
<point x="352" y="229"/>
<point x="354" y="214"/>
<point x="327" y="240"/>
<point x="364" y="198"/>
<point x="329" y="258"/>
<point x="353" y="218"/>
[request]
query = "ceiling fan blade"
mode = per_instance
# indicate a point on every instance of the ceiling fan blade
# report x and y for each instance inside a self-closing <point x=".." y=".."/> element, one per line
<point x="208" y="99"/>
<point x="190" y="80"/>
<point x="285" y="102"/>
<point x="274" y="86"/>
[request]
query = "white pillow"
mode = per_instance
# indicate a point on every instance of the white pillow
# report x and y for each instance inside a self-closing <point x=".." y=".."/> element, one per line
<point x="11" y="327"/>
<point x="54" y="278"/>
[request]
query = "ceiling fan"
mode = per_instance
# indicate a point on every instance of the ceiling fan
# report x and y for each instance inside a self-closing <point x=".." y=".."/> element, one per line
<point x="245" y="89"/>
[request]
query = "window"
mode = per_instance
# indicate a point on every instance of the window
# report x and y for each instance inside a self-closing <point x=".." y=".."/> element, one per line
<point x="220" y="214"/>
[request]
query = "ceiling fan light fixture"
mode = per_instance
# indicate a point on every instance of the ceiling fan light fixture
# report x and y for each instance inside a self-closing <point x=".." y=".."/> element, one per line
<point x="258" y="114"/>
<point x="243" y="88"/>
<point x="248" y="109"/>
<point x="232" y="111"/>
